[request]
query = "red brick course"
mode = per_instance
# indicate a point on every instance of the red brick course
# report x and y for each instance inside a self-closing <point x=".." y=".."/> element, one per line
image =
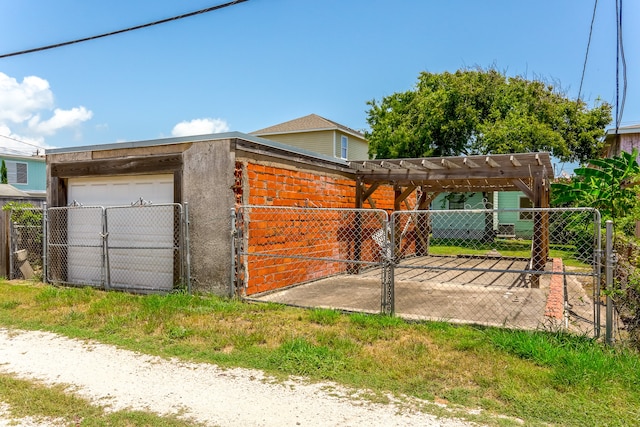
<point x="555" y="300"/>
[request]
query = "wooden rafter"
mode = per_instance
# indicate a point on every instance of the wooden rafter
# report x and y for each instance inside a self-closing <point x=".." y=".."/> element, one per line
<point x="501" y="172"/>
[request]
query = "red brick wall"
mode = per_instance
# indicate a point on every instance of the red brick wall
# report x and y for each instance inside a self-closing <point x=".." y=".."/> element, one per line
<point x="276" y="186"/>
<point x="284" y="234"/>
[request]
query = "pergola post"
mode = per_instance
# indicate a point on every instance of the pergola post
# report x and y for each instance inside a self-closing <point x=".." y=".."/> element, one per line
<point x="540" y="238"/>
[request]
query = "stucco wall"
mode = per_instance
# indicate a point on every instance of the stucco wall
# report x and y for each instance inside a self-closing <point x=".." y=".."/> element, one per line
<point x="207" y="182"/>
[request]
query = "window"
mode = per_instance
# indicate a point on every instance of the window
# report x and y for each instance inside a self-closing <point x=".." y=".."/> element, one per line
<point x="16" y="172"/>
<point x="457" y="200"/>
<point x="344" y="145"/>
<point x="525" y="203"/>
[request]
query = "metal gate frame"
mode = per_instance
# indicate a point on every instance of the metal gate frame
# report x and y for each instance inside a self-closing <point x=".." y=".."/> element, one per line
<point x="56" y="242"/>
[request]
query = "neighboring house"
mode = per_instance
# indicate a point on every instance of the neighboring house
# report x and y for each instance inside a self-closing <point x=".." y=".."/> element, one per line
<point x="628" y="138"/>
<point x="26" y="173"/>
<point x="509" y="223"/>
<point x="320" y="135"/>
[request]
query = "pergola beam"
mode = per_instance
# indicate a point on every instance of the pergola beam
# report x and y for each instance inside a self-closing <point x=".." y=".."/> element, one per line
<point x="526" y="172"/>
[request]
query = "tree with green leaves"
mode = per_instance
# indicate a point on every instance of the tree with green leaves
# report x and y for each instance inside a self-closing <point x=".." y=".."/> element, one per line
<point x="3" y="173"/>
<point x="477" y="111"/>
<point x="605" y="184"/>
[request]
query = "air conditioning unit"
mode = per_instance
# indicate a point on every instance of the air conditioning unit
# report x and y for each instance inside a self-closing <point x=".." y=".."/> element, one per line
<point x="506" y="230"/>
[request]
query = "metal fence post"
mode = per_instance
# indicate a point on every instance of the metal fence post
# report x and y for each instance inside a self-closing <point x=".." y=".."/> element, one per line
<point x="45" y="220"/>
<point x="187" y="249"/>
<point x="11" y="245"/>
<point x="389" y="265"/>
<point x="610" y="262"/>
<point x="388" y="251"/>
<point x="106" y="268"/>
<point x="597" y="269"/>
<point x="232" y="278"/>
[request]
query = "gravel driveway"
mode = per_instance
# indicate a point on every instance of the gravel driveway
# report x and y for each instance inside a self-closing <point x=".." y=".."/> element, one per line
<point x="119" y="379"/>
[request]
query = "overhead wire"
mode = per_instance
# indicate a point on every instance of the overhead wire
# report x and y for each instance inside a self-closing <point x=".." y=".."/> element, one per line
<point x="586" y="55"/>
<point x="112" y="33"/>
<point x="620" y="60"/>
<point x="22" y="142"/>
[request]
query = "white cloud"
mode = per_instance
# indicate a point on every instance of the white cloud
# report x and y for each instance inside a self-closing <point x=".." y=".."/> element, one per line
<point x="200" y="127"/>
<point x="61" y="119"/>
<point x="28" y="113"/>
<point x="19" y="101"/>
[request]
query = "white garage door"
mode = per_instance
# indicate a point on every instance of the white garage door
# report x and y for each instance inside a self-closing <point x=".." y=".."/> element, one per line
<point x="139" y="238"/>
<point x="121" y="190"/>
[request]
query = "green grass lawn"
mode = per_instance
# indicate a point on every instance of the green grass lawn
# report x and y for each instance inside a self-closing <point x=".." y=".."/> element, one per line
<point x="541" y="378"/>
<point x="507" y="248"/>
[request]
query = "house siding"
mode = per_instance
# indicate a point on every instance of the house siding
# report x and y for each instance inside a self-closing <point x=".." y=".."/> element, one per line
<point x="629" y="142"/>
<point x="325" y="142"/>
<point x="357" y="148"/>
<point x="511" y="200"/>
<point x="472" y="225"/>
<point x="459" y="226"/>
<point x="36" y="173"/>
<point x="319" y="142"/>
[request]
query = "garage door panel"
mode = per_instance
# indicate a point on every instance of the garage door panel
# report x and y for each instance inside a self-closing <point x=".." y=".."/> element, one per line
<point x="84" y="256"/>
<point x="138" y="230"/>
<point x="140" y="271"/>
<point x="85" y="266"/>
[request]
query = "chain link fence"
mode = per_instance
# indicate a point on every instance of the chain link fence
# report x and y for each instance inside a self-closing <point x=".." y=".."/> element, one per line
<point x="25" y="243"/>
<point x="542" y="271"/>
<point x="460" y="266"/>
<point x="280" y="250"/>
<point x="137" y="248"/>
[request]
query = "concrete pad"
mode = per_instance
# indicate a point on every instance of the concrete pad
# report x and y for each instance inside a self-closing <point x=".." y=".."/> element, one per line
<point x="486" y="291"/>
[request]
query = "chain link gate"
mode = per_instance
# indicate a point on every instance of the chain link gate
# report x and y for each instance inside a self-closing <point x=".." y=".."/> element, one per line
<point x="75" y="245"/>
<point x="306" y="257"/>
<point x="458" y="266"/>
<point x="138" y="248"/>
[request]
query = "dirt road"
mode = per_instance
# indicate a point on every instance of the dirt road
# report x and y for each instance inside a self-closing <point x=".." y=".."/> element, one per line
<point x="119" y="379"/>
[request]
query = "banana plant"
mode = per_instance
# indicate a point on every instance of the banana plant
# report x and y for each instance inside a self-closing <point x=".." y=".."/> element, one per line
<point x="606" y="184"/>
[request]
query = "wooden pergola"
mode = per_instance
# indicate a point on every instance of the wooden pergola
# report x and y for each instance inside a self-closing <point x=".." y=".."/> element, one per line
<point x="527" y="172"/>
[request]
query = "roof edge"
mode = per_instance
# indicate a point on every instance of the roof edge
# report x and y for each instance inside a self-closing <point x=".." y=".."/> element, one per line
<point x="267" y="143"/>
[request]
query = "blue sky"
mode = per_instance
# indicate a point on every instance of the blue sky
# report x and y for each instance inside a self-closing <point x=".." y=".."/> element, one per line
<point x="264" y="62"/>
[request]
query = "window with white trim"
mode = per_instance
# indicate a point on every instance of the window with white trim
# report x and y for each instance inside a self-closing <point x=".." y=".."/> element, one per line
<point x="344" y="146"/>
<point x="16" y="172"/>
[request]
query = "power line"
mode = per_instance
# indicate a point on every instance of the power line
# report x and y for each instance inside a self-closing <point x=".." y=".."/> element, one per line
<point x="620" y="60"/>
<point x="22" y="142"/>
<point x="137" y="27"/>
<point x="586" y="55"/>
